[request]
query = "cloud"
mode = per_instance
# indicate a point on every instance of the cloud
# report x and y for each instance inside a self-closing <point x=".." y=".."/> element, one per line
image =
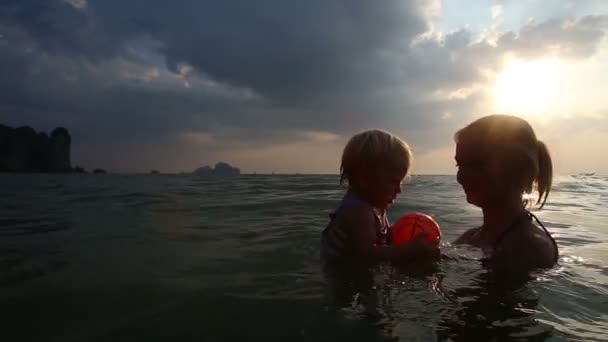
<point x="565" y="38"/>
<point x="496" y="11"/>
<point x="312" y="46"/>
<point x="303" y="60"/>
<point x="232" y="74"/>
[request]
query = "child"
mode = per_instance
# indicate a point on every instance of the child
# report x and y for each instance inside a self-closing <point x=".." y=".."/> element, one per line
<point x="499" y="159"/>
<point x="374" y="163"/>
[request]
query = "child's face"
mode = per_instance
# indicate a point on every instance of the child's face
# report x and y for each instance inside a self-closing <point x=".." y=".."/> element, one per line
<point x="384" y="186"/>
<point x="479" y="173"/>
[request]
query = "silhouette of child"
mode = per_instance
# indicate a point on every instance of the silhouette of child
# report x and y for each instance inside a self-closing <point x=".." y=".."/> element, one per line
<point x="374" y="164"/>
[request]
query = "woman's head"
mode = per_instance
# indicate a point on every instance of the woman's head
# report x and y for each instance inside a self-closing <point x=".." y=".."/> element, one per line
<point x="500" y="157"/>
<point x="375" y="162"/>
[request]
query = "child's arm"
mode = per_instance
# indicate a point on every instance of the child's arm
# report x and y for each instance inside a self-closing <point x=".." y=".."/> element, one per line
<point x="361" y="224"/>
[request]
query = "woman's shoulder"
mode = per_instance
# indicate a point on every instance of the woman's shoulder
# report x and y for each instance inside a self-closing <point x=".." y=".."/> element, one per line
<point x="468" y="237"/>
<point x="529" y="246"/>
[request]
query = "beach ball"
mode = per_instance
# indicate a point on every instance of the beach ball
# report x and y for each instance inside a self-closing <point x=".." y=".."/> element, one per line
<point x="410" y="225"/>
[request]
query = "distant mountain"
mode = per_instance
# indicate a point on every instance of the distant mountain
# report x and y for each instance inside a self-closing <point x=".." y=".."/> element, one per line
<point x="23" y="149"/>
<point x="220" y="169"/>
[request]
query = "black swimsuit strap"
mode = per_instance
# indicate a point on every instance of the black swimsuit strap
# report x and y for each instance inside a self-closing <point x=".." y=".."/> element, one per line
<point x="546" y="232"/>
<point x="530" y="216"/>
<point x="509" y="229"/>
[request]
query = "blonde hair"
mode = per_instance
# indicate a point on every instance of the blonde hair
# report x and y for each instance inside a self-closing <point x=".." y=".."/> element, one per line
<point x="512" y="139"/>
<point x="374" y="147"/>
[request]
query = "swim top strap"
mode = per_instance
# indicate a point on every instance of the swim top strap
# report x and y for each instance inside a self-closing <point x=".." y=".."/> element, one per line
<point x="509" y="229"/>
<point x="546" y="232"/>
<point x="530" y="216"/>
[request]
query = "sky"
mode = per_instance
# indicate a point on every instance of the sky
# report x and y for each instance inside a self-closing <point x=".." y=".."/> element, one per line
<point x="280" y="86"/>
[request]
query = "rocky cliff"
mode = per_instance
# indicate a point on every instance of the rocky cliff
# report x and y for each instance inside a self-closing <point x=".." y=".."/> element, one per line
<point x="23" y="149"/>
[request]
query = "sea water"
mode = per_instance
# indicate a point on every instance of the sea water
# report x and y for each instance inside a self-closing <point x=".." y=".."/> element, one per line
<point x="184" y="258"/>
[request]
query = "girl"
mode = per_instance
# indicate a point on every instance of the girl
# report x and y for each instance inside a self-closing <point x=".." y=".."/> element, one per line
<point x="374" y="164"/>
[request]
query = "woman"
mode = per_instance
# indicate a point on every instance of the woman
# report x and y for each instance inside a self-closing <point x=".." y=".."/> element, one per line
<point x="500" y="161"/>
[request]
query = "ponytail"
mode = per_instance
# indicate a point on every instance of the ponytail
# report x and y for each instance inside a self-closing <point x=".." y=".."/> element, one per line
<point x="545" y="173"/>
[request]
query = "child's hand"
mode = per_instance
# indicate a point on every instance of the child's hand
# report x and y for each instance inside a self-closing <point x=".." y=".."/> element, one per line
<point x="419" y="247"/>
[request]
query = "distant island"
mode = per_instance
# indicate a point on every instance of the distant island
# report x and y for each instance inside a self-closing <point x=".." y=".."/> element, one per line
<point x="220" y="169"/>
<point x="23" y="149"/>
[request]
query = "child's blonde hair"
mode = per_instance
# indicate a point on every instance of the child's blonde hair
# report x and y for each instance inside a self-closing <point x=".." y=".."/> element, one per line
<point x="372" y="148"/>
<point x="512" y="139"/>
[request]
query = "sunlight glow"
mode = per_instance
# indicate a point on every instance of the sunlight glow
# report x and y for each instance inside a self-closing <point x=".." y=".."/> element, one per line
<point x="528" y="87"/>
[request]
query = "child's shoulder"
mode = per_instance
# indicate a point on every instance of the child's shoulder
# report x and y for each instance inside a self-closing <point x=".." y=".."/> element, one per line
<point x="359" y="212"/>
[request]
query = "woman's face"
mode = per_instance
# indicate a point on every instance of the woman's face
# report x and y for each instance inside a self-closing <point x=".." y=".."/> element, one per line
<point x="480" y="173"/>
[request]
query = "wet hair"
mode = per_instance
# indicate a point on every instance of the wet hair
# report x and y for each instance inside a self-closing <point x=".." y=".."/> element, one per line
<point x="371" y="149"/>
<point x="512" y="140"/>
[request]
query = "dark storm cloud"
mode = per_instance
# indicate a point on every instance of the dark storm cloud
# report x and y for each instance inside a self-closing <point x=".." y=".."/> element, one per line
<point x="58" y="27"/>
<point x="282" y="49"/>
<point x="304" y="59"/>
<point x="285" y="50"/>
<point x="126" y="70"/>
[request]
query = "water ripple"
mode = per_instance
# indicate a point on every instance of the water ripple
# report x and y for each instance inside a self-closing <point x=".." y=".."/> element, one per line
<point x="253" y="241"/>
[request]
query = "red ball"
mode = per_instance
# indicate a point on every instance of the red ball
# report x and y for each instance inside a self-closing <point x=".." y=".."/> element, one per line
<point x="411" y="225"/>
